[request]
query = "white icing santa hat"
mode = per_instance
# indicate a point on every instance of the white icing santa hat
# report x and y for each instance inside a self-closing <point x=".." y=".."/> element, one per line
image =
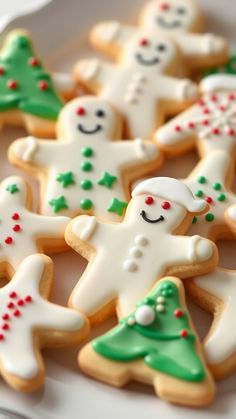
<point x="172" y="189"/>
<point x="218" y="82"/>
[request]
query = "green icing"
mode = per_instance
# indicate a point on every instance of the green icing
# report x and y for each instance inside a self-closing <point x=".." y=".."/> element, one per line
<point x="106" y="180"/>
<point x="216" y="186"/>
<point x="117" y="206"/>
<point x="66" y="179"/>
<point x="86" y="204"/>
<point x="19" y="68"/>
<point x="166" y="345"/>
<point x="209" y="217"/>
<point x="199" y="193"/>
<point x="86" y="166"/>
<point x="86" y="184"/>
<point x="228" y="68"/>
<point x="221" y="197"/>
<point x="87" y="152"/>
<point x="13" y="188"/>
<point x="194" y="221"/>
<point x="201" y="179"/>
<point x="58" y="204"/>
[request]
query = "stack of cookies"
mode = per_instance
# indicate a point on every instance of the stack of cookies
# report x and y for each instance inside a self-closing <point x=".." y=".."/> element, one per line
<point x="145" y="104"/>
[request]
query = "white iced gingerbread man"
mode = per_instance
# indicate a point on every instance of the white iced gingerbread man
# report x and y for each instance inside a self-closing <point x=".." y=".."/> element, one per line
<point x="127" y="259"/>
<point x="210" y="124"/>
<point x="211" y="180"/>
<point x="139" y="85"/>
<point x="23" y="232"/>
<point x="30" y="322"/>
<point x="88" y="170"/>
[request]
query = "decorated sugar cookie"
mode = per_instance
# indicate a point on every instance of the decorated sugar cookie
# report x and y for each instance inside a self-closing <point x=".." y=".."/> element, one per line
<point x="216" y="292"/>
<point x="210" y="124"/>
<point x="30" y="322"/>
<point x="23" y="232"/>
<point x="146" y="246"/>
<point x="139" y="85"/>
<point x="156" y="344"/>
<point x="212" y="180"/>
<point x="88" y="169"/>
<point x="27" y="93"/>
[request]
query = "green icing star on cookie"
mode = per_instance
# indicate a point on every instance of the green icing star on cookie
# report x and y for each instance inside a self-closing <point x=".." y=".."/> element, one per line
<point x="58" y="204"/>
<point x="117" y="206"/>
<point x="12" y="188"/>
<point x="66" y="179"/>
<point x="106" y="180"/>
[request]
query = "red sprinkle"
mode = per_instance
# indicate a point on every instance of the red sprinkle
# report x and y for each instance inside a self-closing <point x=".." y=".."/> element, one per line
<point x="15" y="216"/>
<point x="33" y="61"/>
<point x="16" y="228"/>
<point x="149" y="200"/>
<point x="165" y="205"/>
<point x="5" y="326"/>
<point x="201" y="102"/>
<point x="205" y="122"/>
<point x="231" y="96"/>
<point x="16" y="313"/>
<point x="1" y="336"/>
<point x="13" y="294"/>
<point x="10" y="305"/>
<point x="222" y="108"/>
<point x="231" y="132"/>
<point x="12" y="84"/>
<point x="20" y="302"/>
<point x="191" y="125"/>
<point x="2" y="71"/>
<point x="143" y="42"/>
<point x="215" y="131"/>
<point x="43" y="85"/>
<point x="164" y="6"/>
<point x="28" y="299"/>
<point x="80" y="111"/>
<point x="209" y="199"/>
<point x="178" y="128"/>
<point x="206" y="111"/>
<point x="8" y="240"/>
<point x="5" y="316"/>
<point x="178" y="313"/>
<point x="214" y="98"/>
<point x="183" y="333"/>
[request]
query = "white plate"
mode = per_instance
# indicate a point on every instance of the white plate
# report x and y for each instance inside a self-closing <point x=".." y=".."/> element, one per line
<point x="59" y="30"/>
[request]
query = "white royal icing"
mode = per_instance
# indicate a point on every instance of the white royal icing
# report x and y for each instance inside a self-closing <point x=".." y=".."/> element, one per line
<point x="108" y="155"/>
<point x="24" y="311"/>
<point x="144" y="315"/>
<point x="192" y="249"/>
<point x="218" y="82"/>
<point x="159" y="249"/>
<point x="20" y="228"/>
<point x="88" y="231"/>
<point x="63" y="82"/>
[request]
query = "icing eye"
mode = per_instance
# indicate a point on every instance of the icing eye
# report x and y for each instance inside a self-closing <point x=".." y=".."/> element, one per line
<point x="144" y="315"/>
<point x="181" y="11"/>
<point x="165" y="205"/>
<point x="100" y="113"/>
<point x="149" y="200"/>
<point x="161" y="47"/>
<point x="164" y="7"/>
<point x="143" y="42"/>
<point x="80" y="111"/>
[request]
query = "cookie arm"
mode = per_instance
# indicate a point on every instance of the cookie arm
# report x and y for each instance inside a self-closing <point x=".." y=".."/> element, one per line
<point x="51" y="227"/>
<point x="190" y="250"/>
<point x="86" y="229"/>
<point x="136" y="151"/>
<point x="173" y="89"/>
<point x="93" y="74"/>
<point x="201" y="45"/>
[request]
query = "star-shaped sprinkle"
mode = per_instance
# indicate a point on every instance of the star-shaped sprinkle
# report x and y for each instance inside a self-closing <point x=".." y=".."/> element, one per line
<point x="66" y="179"/>
<point x="13" y="188"/>
<point x="58" y="204"/>
<point x="117" y="206"/>
<point x="106" y="180"/>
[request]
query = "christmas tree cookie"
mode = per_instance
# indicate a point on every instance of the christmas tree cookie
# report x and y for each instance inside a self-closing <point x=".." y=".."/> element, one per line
<point x="156" y="344"/>
<point x="27" y="92"/>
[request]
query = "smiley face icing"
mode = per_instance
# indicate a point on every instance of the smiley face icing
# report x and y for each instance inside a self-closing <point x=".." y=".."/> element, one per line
<point x="22" y="232"/>
<point x="88" y="170"/>
<point x="140" y="250"/>
<point x="30" y="322"/>
<point x="139" y="85"/>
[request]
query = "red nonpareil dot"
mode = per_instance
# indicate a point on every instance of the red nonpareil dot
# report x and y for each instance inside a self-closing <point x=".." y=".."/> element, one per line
<point x="16" y="228"/>
<point x="33" y="61"/>
<point x="10" y="305"/>
<point x="231" y="132"/>
<point x="165" y="205"/>
<point x="164" y="7"/>
<point x="149" y="200"/>
<point x="12" y="84"/>
<point x="13" y="294"/>
<point x="15" y="216"/>
<point x="1" y="336"/>
<point x="222" y="108"/>
<point x="205" y="122"/>
<point x="42" y="85"/>
<point x="5" y="316"/>
<point x="178" y="313"/>
<point x="20" y="302"/>
<point x="80" y="111"/>
<point x="209" y="199"/>
<point x="201" y="102"/>
<point x="28" y="299"/>
<point x="206" y="111"/>
<point x="2" y="71"/>
<point x="178" y="128"/>
<point x="8" y="240"/>
<point x="191" y="125"/>
<point x="214" y="98"/>
<point x="215" y="131"/>
<point x="143" y="42"/>
<point x="5" y="326"/>
<point x="16" y="313"/>
<point x="231" y="96"/>
<point x="183" y="333"/>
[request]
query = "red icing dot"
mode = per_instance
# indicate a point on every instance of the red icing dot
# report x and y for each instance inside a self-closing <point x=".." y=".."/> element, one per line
<point x="8" y="240"/>
<point x="10" y="305"/>
<point x="16" y="313"/>
<point x="183" y="333"/>
<point x="214" y="98"/>
<point x="5" y="316"/>
<point x="149" y="200"/>
<point x="15" y="216"/>
<point x="231" y="96"/>
<point x="33" y="61"/>
<point x="13" y="294"/>
<point x="28" y="299"/>
<point x="177" y="128"/>
<point x="5" y="326"/>
<point x="231" y="132"/>
<point x="2" y="71"/>
<point x="143" y="42"/>
<point x="80" y="111"/>
<point x="164" y="6"/>
<point x="222" y="108"/>
<point x="12" y="84"/>
<point x="42" y="85"/>
<point x="16" y="228"/>
<point x="20" y="302"/>
<point x="165" y="205"/>
<point x="191" y="125"/>
<point x="215" y="131"/>
<point x="201" y="102"/>
<point x="205" y="122"/>
<point x="1" y="336"/>
<point x="209" y="199"/>
<point x="178" y="313"/>
<point x="206" y="111"/>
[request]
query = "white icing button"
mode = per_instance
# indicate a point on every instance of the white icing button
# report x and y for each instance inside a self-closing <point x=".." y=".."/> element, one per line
<point x="130" y="266"/>
<point x="144" y="315"/>
<point x="141" y="240"/>
<point x="160" y="299"/>
<point x="135" y="252"/>
<point x="130" y="321"/>
<point x="160" y="308"/>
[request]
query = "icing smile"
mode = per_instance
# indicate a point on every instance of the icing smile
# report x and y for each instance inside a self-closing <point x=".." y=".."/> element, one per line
<point x="168" y="25"/>
<point x="89" y="132"/>
<point x="144" y="61"/>
<point x="145" y="218"/>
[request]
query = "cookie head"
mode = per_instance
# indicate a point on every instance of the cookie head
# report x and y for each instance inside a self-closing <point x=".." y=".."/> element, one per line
<point x="149" y="52"/>
<point x="171" y="15"/>
<point x="88" y="118"/>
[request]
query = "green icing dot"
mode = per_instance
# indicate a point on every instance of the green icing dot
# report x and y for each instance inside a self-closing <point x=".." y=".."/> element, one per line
<point x="209" y="217"/>
<point x="201" y="179"/>
<point x="216" y="186"/>
<point x="221" y="197"/>
<point x="21" y="42"/>
<point x="86" y="166"/>
<point x="194" y="220"/>
<point x="86" y="184"/>
<point x="86" y="204"/>
<point x="199" y="193"/>
<point x="87" y="152"/>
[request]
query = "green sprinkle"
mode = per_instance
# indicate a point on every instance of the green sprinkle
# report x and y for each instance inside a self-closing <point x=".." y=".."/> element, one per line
<point x="194" y="219"/>
<point x="86" y="166"/>
<point x="106" y="180"/>
<point x="86" y="184"/>
<point x="221" y="197"/>
<point x="12" y="188"/>
<point x="209" y="217"/>
<point x="86" y="204"/>
<point x="87" y="152"/>
<point x="66" y="179"/>
<point x="216" y="186"/>
<point x="199" y="193"/>
<point x="58" y="204"/>
<point x="117" y="206"/>
<point x="201" y="179"/>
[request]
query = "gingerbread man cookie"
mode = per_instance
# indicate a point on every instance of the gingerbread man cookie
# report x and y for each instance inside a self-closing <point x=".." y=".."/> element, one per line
<point x="139" y="85"/>
<point x="30" y="322"/>
<point x="22" y="232"/>
<point x="215" y="292"/>
<point x="27" y="93"/>
<point x="88" y="170"/>
<point x="210" y="124"/>
<point x="157" y="345"/>
<point x="146" y="246"/>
